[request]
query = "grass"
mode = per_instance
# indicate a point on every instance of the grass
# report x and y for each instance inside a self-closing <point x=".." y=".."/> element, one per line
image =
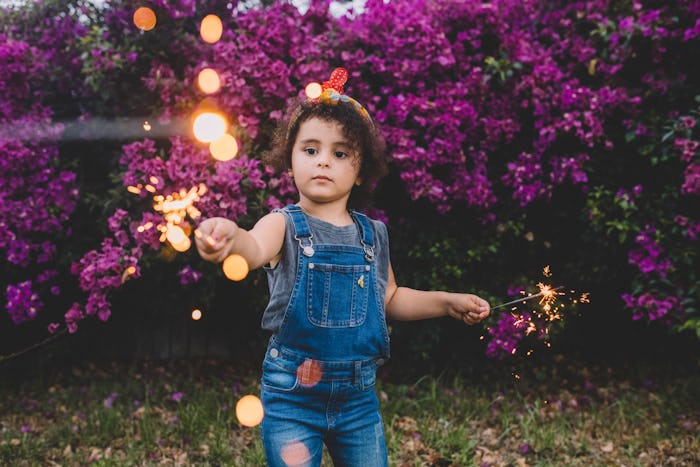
<point x="183" y="413"/>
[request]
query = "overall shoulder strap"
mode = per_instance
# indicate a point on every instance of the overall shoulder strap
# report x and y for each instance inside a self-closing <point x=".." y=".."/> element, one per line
<point x="366" y="233"/>
<point x="301" y="227"/>
<point x="302" y="232"/>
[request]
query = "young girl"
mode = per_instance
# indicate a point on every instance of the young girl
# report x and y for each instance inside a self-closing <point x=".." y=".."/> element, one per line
<point x="331" y="287"/>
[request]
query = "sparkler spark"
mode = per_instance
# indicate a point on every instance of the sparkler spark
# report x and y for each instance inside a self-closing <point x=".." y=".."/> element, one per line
<point x="540" y="317"/>
<point x="175" y="208"/>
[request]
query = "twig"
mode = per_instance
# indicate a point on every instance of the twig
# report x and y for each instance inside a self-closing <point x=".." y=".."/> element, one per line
<point x="4" y="358"/>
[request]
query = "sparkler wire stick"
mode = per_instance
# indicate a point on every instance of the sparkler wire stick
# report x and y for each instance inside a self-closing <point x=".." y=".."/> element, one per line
<point x="513" y="302"/>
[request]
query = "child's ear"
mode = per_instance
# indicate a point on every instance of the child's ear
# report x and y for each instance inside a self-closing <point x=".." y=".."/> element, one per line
<point x="290" y="173"/>
<point x="358" y="182"/>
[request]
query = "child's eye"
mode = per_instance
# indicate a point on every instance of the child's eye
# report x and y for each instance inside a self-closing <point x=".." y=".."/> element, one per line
<point x="310" y="151"/>
<point x="341" y="154"/>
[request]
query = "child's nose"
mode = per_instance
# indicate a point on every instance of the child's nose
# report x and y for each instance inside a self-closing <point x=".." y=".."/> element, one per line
<point x="324" y="159"/>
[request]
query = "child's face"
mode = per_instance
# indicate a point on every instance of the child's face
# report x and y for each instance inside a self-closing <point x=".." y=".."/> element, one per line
<point x="324" y="164"/>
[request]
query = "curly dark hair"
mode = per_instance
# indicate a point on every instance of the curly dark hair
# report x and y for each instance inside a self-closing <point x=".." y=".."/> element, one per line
<point x="359" y="131"/>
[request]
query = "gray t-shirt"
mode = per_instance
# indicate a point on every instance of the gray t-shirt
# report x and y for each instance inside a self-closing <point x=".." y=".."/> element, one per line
<point x="281" y="278"/>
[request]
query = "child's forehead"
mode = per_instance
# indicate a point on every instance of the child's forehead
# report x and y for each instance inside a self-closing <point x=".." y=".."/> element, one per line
<point x="321" y="122"/>
<point x="321" y="129"/>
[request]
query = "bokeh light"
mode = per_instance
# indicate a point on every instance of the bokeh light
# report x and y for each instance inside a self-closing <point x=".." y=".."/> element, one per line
<point x="211" y="28"/>
<point x="144" y="18"/>
<point x="175" y="234"/>
<point x="183" y="245"/>
<point x="313" y="90"/>
<point x="295" y="454"/>
<point x="178" y="238"/>
<point x="128" y="272"/>
<point x="224" y="148"/>
<point x="208" y="81"/>
<point x="235" y="267"/>
<point x="309" y="373"/>
<point x="146" y="126"/>
<point x="249" y="411"/>
<point x="209" y="126"/>
<point x="196" y="314"/>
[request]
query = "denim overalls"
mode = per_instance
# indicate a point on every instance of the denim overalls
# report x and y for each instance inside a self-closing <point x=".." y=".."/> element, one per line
<point x="319" y="369"/>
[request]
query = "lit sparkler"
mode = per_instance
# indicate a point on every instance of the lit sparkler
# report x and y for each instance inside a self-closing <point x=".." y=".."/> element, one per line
<point x="550" y="307"/>
<point x="539" y="318"/>
<point x="546" y="292"/>
<point x="175" y="208"/>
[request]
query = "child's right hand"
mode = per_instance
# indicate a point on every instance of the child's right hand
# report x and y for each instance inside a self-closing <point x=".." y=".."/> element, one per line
<point x="214" y="238"/>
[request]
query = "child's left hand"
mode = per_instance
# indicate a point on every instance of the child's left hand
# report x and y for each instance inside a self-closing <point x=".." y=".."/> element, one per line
<point x="468" y="308"/>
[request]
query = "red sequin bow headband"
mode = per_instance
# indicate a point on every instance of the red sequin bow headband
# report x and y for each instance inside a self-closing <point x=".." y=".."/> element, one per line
<point x="331" y="92"/>
<point x="339" y="76"/>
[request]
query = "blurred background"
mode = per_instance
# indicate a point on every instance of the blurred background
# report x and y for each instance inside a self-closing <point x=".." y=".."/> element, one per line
<point x="532" y="146"/>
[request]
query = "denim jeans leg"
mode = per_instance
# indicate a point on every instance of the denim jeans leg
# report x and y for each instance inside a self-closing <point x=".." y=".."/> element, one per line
<point x="292" y="431"/>
<point x="357" y="438"/>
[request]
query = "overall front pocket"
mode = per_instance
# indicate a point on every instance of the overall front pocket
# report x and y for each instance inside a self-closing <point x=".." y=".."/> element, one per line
<point x="337" y="294"/>
<point x="278" y="379"/>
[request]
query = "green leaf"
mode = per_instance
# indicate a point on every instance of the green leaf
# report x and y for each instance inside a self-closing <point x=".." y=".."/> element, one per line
<point x="668" y="135"/>
<point x="692" y="324"/>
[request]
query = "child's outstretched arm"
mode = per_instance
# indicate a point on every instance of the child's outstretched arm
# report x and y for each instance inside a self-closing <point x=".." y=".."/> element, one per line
<point x="405" y="304"/>
<point x="260" y="245"/>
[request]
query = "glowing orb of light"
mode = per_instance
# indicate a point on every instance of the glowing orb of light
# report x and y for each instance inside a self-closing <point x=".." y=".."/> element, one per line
<point x="182" y="246"/>
<point x="313" y="90"/>
<point x="128" y="272"/>
<point x="309" y="373"/>
<point x="178" y="238"/>
<point x="209" y="126"/>
<point x="295" y="454"/>
<point x="144" y="18"/>
<point x="196" y="314"/>
<point x="235" y="267"/>
<point x="211" y="28"/>
<point x="224" y="148"/>
<point x="249" y="411"/>
<point x="208" y="80"/>
<point x="175" y="234"/>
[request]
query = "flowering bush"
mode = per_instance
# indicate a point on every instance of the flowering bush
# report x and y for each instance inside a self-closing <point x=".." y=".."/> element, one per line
<point x="37" y="197"/>
<point x="504" y="114"/>
<point x="511" y="101"/>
